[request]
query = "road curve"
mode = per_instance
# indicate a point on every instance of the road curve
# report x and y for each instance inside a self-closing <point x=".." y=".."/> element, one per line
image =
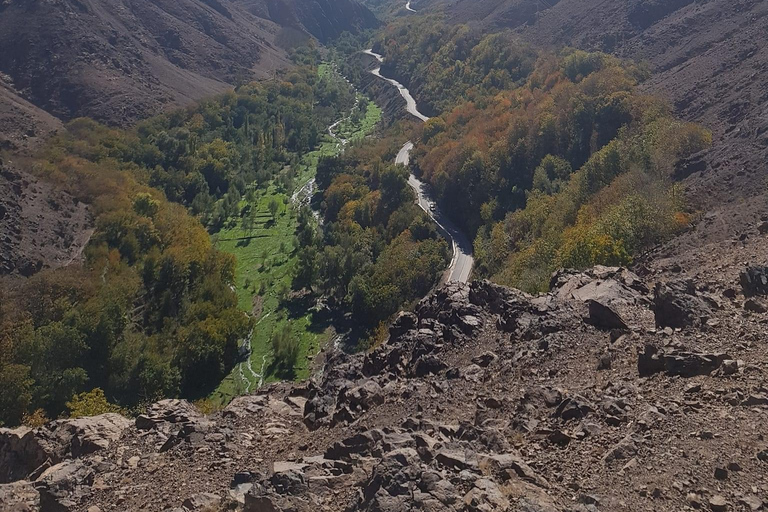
<point x="461" y="264"/>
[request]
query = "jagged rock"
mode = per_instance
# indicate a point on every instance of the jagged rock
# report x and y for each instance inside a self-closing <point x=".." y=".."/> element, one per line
<point x="751" y="502"/>
<point x="756" y="399"/>
<point x="676" y="304"/>
<point x="625" y="449"/>
<point x="718" y="503"/>
<point x="427" y="365"/>
<point x="754" y="281"/>
<point x="202" y="502"/>
<point x="573" y="408"/>
<point x="259" y="504"/>
<point x="456" y="459"/>
<point x="20" y="453"/>
<point x="289" y="481"/>
<point x="513" y="465"/>
<point x="684" y="364"/>
<point x="92" y="433"/>
<point x="404" y="322"/>
<point x="364" y="396"/>
<point x="64" y="485"/>
<point x="604" y="316"/>
<point x="170" y="411"/>
<point x="485" y="359"/>
<point x="755" y="306"/>
<point x="485" y="496"/>
<point x="23" y="450"/>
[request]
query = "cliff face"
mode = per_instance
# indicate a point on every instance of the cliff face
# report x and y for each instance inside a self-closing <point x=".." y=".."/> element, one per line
<point x="605" y="394"/>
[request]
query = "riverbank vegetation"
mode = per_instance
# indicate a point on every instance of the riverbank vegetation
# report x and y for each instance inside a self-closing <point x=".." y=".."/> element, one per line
<point x="378" y="251"/>
<point x="152" y="311"/>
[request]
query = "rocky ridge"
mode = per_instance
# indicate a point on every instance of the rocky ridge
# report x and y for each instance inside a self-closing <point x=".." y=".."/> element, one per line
<point x="608" y="393"/>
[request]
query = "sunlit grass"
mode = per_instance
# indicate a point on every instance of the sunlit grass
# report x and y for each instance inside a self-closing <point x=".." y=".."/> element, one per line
<point x="266" y="261"/>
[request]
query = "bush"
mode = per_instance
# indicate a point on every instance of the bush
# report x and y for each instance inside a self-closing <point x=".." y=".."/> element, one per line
<point x="285" y="347"/>
<point x="91" y="403"/>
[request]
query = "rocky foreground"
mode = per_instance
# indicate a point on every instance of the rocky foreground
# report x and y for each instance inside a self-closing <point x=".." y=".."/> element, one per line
<point x="608" y="393"/>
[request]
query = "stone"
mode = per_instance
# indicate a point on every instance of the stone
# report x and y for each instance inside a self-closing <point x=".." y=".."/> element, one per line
<point x="684" y="364"/>
<point x="63" y="484"/>
<point x="513" y="464"/>
<point x="573" y="408"/>
<point x="22" y="450"/>
<point x="718" y="503"/>
<point x="677" y="304"/>
<point x="756" y="399"/>
<point x="455" y="459"/>
<point x="754" y="281"/>
<point x="485" y="359"/>
<point x="721" y="473"/>
<point x="259" y="504"/>
<point x="603" y="316"/>
<point x="755" y="306"/>
<point x="291" y="481"/>
<point x="404" y="322"/>
<point x="751" y="502"/>
<point x="201" y="502"/>
<point x="729" y="367"/>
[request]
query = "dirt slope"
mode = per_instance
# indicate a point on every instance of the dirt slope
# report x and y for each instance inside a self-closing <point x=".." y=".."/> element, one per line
<point x="121" y="60"/>
<point x="39" y="225"/>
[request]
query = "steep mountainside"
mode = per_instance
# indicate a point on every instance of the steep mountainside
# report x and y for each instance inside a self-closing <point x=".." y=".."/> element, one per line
<point x="119" y="61"/>
<point x="324" y="19"/>
<point x="708" y="59"/>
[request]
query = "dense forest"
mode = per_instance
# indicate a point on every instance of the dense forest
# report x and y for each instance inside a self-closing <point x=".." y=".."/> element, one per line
<point x="545" y="159"/>
<point x="549" y="160"/>
<point x="152" y="311"/>
<point x="378" y="251"/>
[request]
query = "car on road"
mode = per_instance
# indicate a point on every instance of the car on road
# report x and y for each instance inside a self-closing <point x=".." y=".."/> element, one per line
<point x="433" y="207"/>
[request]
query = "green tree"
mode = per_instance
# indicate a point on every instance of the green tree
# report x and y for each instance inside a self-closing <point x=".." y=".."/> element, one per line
<point x="285" y="347"/>
<point x="273" y="206"/>
<point x="91" y="403"/>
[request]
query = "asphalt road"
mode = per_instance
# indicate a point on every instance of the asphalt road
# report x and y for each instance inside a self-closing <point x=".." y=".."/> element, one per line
<point x="461" y="264"/>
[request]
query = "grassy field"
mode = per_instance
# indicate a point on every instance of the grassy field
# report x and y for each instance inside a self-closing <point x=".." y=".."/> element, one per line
<point x="266" y="260"/>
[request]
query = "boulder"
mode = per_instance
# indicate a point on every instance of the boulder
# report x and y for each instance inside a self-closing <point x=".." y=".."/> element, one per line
<point x="677" y="304"/>
<point x="754" y="281"/>
<point x="91" y="434"/>
<point x="169" y="412"/>
<point x="684" y="364"/>
<point x="404" y="322"/>
<point x="64" y="485"/>
<point x="202" y="502"/>
<point x="256" y="503"/>
<point x="23" y="450"/>
<point x="603" y="316"/>
<point x="485" y="359"/>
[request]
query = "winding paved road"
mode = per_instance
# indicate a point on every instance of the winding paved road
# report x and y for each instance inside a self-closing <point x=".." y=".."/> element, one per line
<point x="461" y="264"/>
